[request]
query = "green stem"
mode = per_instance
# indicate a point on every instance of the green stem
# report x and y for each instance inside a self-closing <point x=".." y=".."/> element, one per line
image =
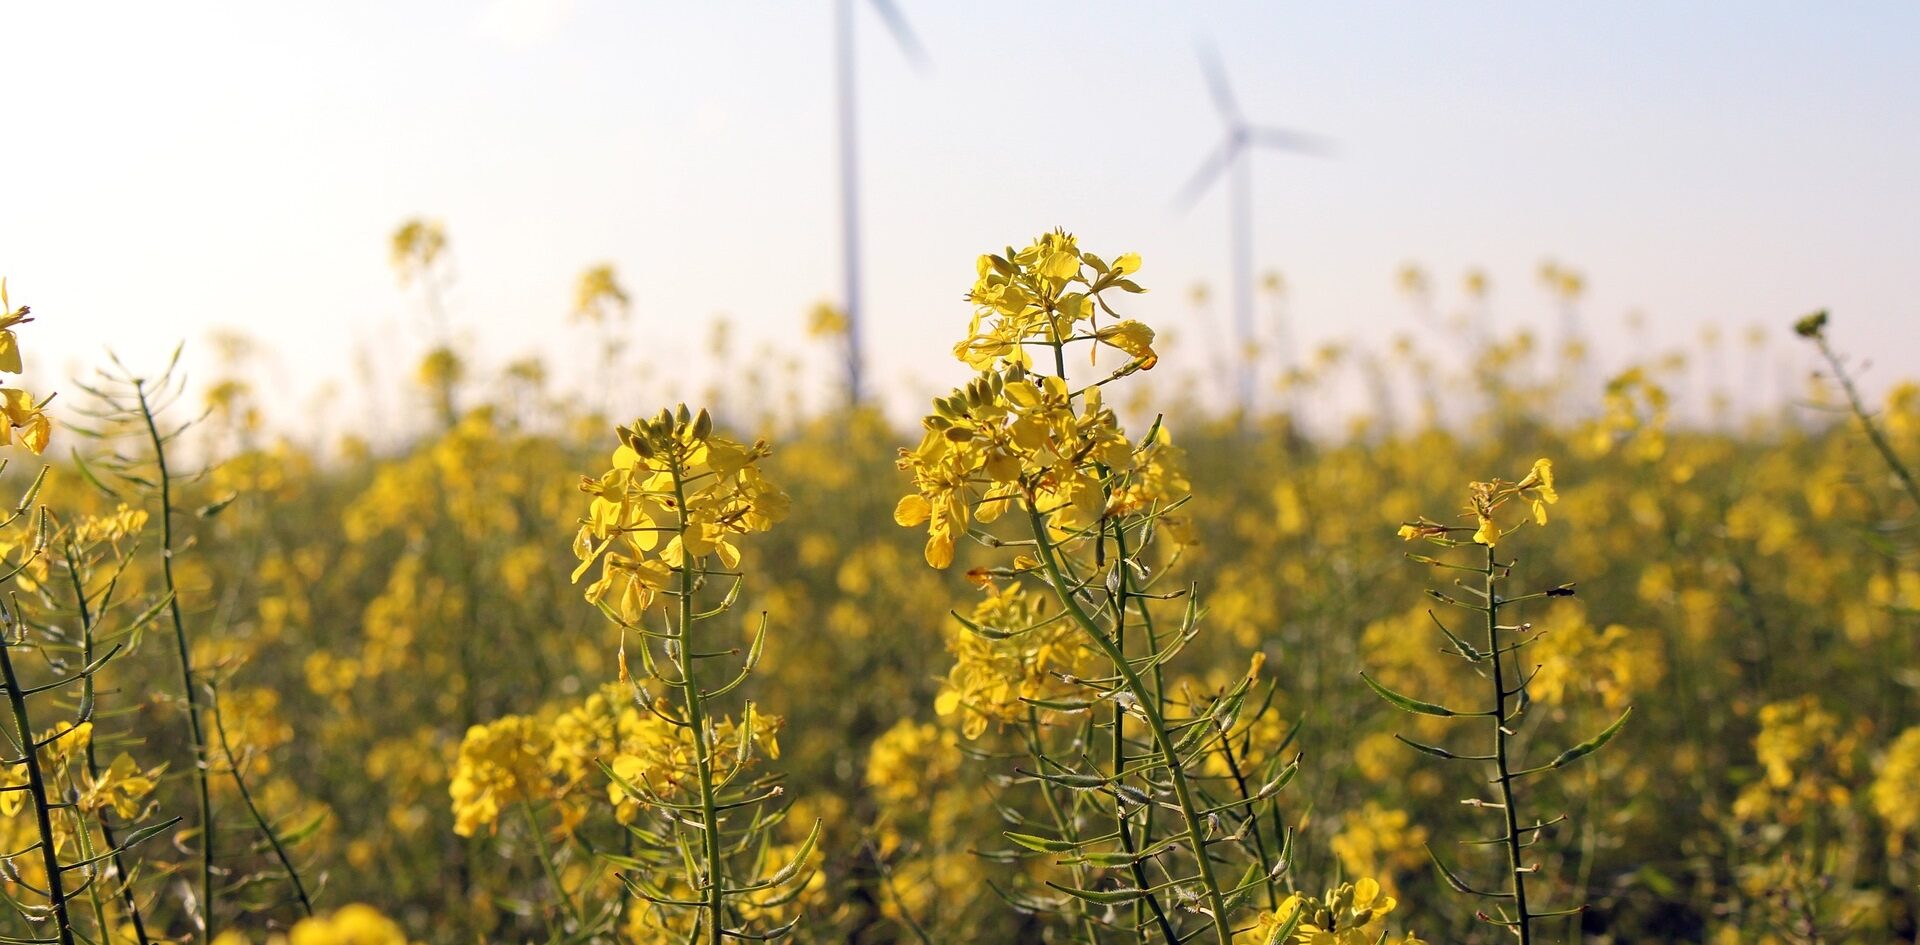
<point x="1501" y="734"/>
<point x="697" y="717"/>
<point x="37" y="790"/>
<point x="1878" y="439"/>
<point x="253" y="810"/>
<point x="1150" y="708"/>
<point x="1125" y="827"/>
<point x="1061" y="822"/>
<point x="887" y="886"/>
<point x="86" y="615"/>
<point x="546" y="863"/>
<point x="199" y="740"/>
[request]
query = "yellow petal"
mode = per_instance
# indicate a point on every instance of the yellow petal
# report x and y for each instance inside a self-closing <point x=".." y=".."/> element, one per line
<point x="913" y="510"/>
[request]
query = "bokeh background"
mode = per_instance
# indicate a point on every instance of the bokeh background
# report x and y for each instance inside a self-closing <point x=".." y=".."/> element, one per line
<point x="1577" y="232"/>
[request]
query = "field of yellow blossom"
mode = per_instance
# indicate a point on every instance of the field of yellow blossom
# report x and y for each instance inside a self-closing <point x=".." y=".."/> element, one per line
<point x="1074" y="659"/>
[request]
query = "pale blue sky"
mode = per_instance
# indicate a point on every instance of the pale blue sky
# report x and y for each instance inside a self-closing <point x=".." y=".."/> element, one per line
<point x="165" y="168"/>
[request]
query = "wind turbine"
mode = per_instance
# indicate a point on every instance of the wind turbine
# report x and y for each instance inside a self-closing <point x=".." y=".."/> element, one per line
<point x="1231" y="157"/>
<point x="850" y="165"/>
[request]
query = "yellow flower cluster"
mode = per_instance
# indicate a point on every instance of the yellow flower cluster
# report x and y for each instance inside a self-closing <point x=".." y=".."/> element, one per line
<point x="354" y="924"/>
<point x="676" y="489"/>
<point x="1049" y="293"/>
<point x="553" y="758"/>
<point x="1807" y="755"/>
<point x="1572" y="655"/>
<point x="1018" y="652"/>
<point x="908" y="757"/>
<point x="1379" y="841"/>
<point x="26" y="420"/>
<point x="1895" y="793"/>
<point x="1484" y="501"/>
<point x="1349" y="914"/>
<point x="501" y="763"/>
<point x="1014" y="437"/>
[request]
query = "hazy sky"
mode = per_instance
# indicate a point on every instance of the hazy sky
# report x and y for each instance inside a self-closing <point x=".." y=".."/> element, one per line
<point x="166" y="168"/>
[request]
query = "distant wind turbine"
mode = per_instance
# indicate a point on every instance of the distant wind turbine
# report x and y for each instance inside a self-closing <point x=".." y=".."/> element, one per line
<point x="850" y="167"/>
<point x="1231" y="155"/>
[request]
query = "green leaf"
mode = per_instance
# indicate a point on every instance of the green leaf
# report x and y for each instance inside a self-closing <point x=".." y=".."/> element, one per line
<point x="1435" y="750"/>
<point x="1286" y="929"/>
<point x="1458" y="884"/>
<point x="86" y="472"/>
<point x="1104" y="897"/>
<point x="1075" y="782"/>
<point x="1408" y="704"/>
<point x="1593" y="744"/>
<point x="981" y="630"/>
<point x="1041" y="844"/>
<point x="217" y="506"/>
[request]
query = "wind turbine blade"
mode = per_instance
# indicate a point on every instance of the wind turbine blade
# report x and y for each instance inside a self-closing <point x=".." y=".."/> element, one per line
<point x="1210" y="170"/>
<point x="902" y="33"/>
<point x="1217" y="84"/>
<point x="1288" y="140"/>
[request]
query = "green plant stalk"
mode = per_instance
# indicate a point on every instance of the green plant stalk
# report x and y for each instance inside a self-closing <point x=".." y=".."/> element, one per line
<point x="886" y="886"/>
<point x="253" y="810"/>
<point x="85" y="613"/>
<point x="1878" y="439"/>
<point x="1061" y="822"/>
<point x="202" y="762"/>
<point x="546" y="863"/>
<point x="1524" y="928"/>
<point x="37" y="790"/>
<point x="697" y="717"/>
<point x="1183" y="792"/>
<point x="1124" y="828"/>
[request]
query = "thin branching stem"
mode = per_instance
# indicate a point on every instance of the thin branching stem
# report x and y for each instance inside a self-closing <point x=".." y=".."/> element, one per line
<point x="1860" y="413"/>
<point x="253" y="809"/>
<point x="85" y="612"/>
<point x="546" y="862"/>
<point x="695" y="702"/>
<point x="1501" y="733"/>
<point x="1156" y="724"/>
<point x="1151" y="900"/>
<point x="202" y="763"/>
<point x="37" y="791"/>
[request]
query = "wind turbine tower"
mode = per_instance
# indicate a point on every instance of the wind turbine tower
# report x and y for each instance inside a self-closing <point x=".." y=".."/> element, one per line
<point x="850" y="168"/>
<point x="1231" y="157"/>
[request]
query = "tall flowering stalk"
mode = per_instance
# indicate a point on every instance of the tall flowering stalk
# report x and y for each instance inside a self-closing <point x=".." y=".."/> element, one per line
<point x="1488" y="521"/>
<point x="1178" y="851"/>
<point x="663" y="526"/>
<point x="1814" y="328"/>
<point x="85" y="819"/>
